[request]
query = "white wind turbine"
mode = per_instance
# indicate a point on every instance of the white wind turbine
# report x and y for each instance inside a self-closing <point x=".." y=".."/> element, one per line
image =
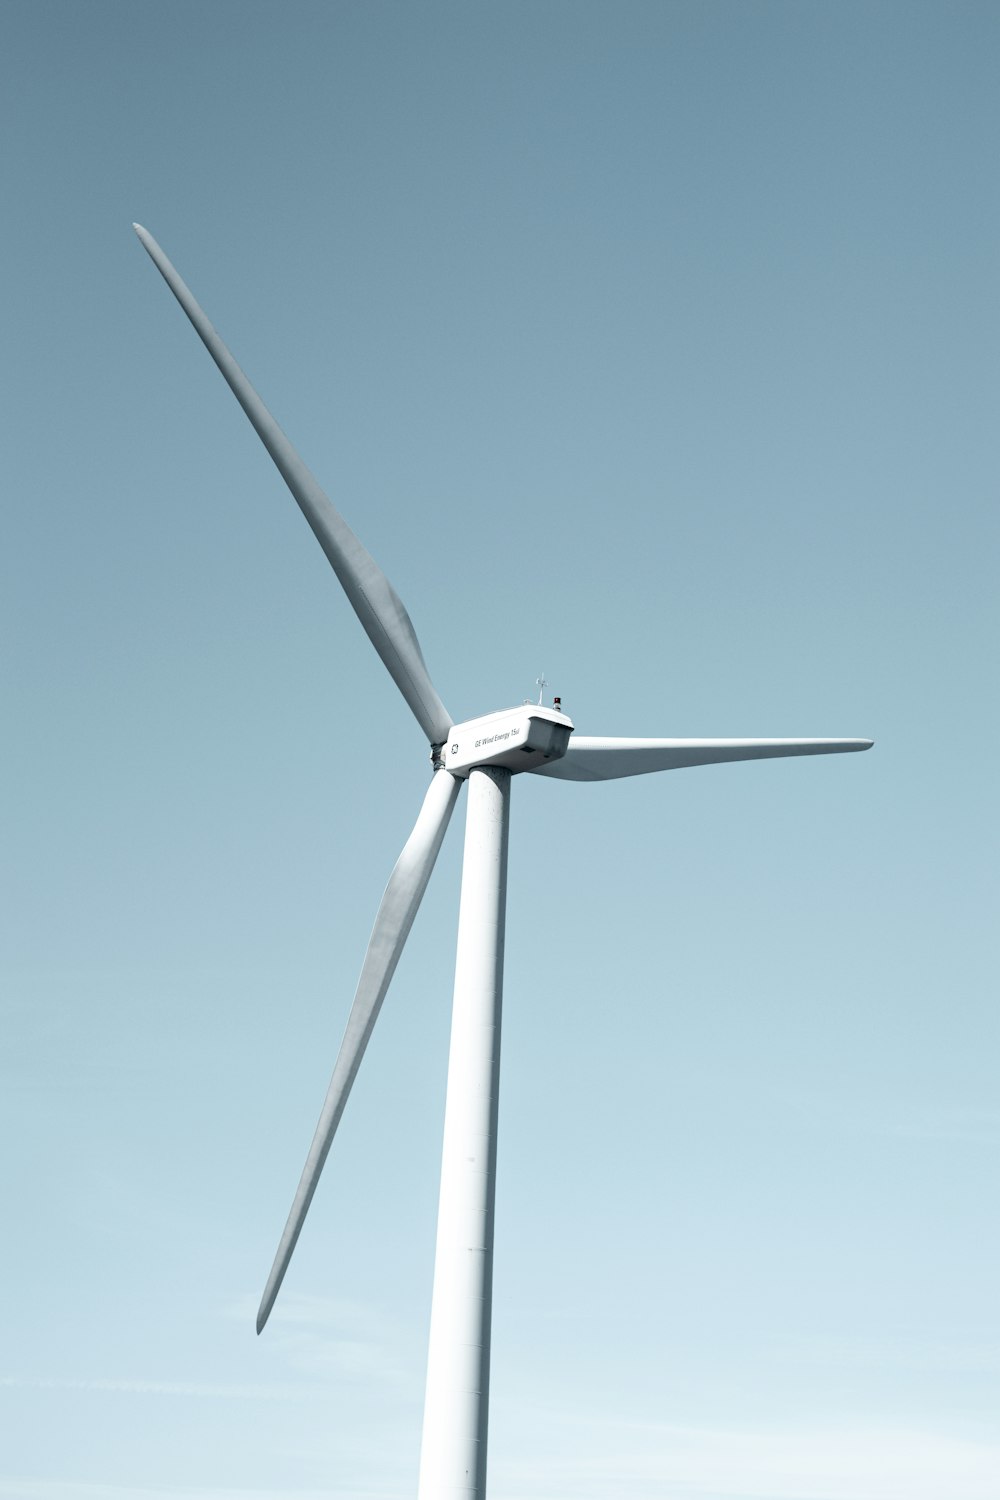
<point x="486" y="752"/>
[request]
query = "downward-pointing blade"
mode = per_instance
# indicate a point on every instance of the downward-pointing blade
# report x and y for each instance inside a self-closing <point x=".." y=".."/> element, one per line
<point x="596" y="759"/>
<point x="403" y="894"/>
<point x="375" y="601"/>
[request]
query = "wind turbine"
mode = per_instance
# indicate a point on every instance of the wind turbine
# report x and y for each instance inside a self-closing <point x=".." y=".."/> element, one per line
<point x="486" y="752"/>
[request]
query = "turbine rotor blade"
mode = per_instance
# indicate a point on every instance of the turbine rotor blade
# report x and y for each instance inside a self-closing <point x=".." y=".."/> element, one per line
<point x="372" y="596"/>
<point x="600" y="759"/>
<point x="393" y="921"/>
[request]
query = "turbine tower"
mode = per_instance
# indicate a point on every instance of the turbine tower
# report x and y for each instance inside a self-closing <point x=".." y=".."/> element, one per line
<point x="486" y="752"/>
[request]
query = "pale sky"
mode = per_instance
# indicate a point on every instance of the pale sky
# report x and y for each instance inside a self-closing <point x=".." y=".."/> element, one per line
<point x="652" y="347"/>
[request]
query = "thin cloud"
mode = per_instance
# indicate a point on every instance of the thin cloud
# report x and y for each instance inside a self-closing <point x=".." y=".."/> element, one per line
<point x="333" y="1338"/>
<point x="652" y="1462"/>
<point x="58" y="1489"/>
<point x="973" y="1126"/>
<point x="920" y="1120"/>
<point x="133" y="1387"/>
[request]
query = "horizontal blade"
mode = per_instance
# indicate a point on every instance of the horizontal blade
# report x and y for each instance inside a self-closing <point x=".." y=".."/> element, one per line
<point x="608" y="759"/>
<point x="403" y="894"/>
<point x="372" y="596"/>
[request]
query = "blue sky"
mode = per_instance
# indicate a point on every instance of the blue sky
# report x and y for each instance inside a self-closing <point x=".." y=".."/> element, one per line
<point x="652" y="347"/>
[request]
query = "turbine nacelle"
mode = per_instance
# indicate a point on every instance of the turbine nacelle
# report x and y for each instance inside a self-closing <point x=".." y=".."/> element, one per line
<point x="519" y="739"/>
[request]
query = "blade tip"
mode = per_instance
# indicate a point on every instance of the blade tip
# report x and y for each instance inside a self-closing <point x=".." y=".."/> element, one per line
<point x="267" y="1303"/>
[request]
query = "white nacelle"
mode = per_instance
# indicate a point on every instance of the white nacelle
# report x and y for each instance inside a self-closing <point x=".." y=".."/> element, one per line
<point x="517" y="738"/>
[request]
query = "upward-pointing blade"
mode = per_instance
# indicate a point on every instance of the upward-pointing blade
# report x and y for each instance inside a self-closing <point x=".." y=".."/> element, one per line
<point x="393" y="921"/>
<point x="375" y="601"/>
